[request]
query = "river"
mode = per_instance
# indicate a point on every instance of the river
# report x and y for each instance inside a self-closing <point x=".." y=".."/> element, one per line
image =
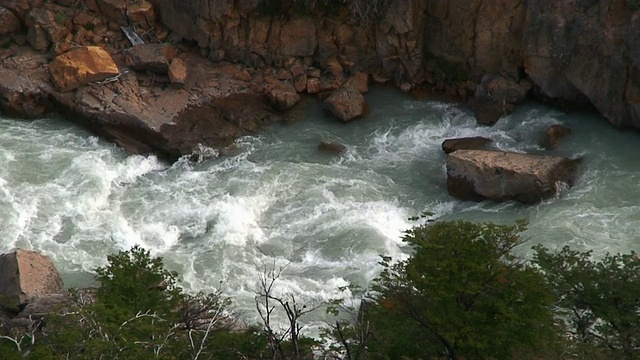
<point x="281" y="202"/>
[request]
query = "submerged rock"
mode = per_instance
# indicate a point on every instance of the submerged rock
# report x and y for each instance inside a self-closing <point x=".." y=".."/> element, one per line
<point x="346" y="104"/>
<point x="331" y="147"/>
<point x="466" y="143"/>
<point x="552" y="136"/>
<point x="496" y="175"/>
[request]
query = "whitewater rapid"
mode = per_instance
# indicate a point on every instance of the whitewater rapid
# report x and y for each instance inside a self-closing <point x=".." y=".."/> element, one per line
<point x="279" y="202"/>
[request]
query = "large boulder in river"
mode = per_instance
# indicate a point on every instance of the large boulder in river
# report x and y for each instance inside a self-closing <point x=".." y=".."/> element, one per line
<point x="82" y="66"/>
<point x="496" y="175"/>
<point x="466" y="143"/>
<point x="346" y="104"/>
<point x="24" y="275"/>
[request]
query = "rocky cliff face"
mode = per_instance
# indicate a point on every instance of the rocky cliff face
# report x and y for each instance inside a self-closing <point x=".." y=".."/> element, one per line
<point x="581" y="54"/>
<point x="262" y="33"/>
<point x="587" y="50"/>
<point x="576" y="53"/>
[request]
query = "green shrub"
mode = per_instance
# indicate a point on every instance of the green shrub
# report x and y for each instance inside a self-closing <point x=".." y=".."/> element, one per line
<point x="462" y="294"/>
<point x="599" y="300"/>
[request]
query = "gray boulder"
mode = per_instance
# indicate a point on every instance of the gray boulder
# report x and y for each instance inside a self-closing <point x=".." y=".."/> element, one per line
<point x="496" y="175"/>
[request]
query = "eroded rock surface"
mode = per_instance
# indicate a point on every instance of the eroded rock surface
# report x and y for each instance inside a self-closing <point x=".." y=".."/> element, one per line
<point x="496" y="175"/>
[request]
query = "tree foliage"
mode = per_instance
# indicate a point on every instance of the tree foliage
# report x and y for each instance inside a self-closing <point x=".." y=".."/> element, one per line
<point x="462" y="294"/>
<point x="598" y="299"/>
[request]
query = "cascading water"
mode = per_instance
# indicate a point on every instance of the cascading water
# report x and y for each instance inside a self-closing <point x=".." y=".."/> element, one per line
<point x="280" y="201"/>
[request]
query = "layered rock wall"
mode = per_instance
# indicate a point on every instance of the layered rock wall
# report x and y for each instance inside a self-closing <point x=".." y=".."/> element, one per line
<point x="258" y="34"/>
<point x="577" y="53"/>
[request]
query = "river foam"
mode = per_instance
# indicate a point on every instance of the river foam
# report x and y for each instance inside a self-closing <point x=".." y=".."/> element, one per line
<point x="281" y="203"/>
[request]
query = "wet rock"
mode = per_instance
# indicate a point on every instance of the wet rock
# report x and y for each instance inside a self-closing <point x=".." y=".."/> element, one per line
<point x="150" y="57"/>
<point x="24" y="275"/>
<point x="496" y="175"/>
<point x="465" y="143"/>
<point x="82" y="66"/>
<point x="177" y="72"/>
<point x="282" y="99"/>
<point x="331" y="147"/>
<point x="346" y="104"/>
<point x="497" y="96"/>
<point x="552" y="136"/>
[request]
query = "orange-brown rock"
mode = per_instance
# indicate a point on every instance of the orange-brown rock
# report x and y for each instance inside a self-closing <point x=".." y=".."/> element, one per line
<point x="24" y="275"/>
<point x="497" y="96"/>
<point x="178" y="72"/>
<point x="496" y="175"/>
<point x="82" y="66"/>
<point x="346" y="104"/>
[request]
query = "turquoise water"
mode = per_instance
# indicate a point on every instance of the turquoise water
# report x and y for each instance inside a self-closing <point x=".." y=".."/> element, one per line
<point x="280" y="202"/>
